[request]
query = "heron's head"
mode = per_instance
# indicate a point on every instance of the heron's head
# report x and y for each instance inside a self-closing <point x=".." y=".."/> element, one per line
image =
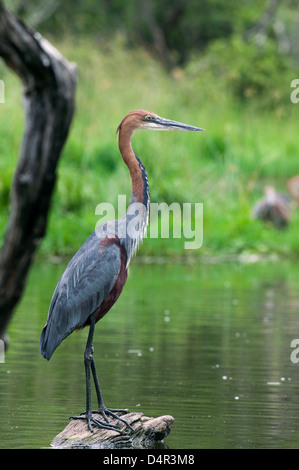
<point x="146" y="120"/>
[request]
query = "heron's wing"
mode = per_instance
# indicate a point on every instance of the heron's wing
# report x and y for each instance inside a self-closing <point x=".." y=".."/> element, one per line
<point x="84" y="285"/>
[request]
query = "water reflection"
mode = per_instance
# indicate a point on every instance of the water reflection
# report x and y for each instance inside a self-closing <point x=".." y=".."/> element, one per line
<point x="208" y="344"/>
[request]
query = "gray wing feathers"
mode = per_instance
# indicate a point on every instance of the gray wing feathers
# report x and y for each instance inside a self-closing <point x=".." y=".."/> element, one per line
<point x="85" y="283"/>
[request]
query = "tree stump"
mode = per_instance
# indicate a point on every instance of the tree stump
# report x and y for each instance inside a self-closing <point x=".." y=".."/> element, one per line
<point x="149" y="432"/>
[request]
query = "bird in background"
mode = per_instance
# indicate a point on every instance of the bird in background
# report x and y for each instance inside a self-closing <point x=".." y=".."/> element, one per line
<point x="96" y="275"/>
<point x="274" y="208"/>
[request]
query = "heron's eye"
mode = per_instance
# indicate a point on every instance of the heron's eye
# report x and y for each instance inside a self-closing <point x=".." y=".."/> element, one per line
<point x="148" y="118"/>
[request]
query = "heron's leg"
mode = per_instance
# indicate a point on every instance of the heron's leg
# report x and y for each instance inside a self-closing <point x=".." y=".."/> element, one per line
<point x="88" y="360"/>
<point x="88" y="354"/>
<point x="96" y="384"/>
<point x="102" y="408"/>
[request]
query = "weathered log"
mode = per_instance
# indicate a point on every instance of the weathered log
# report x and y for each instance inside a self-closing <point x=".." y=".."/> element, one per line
<point x="148" y="432"/>
<point x="49" y="82"/>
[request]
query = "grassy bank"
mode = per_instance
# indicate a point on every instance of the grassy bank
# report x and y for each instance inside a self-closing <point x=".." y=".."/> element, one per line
<point x="246" y="145"/>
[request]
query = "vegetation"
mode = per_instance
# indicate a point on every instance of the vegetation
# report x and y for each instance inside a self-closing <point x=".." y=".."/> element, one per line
<point x="230" y="84"/>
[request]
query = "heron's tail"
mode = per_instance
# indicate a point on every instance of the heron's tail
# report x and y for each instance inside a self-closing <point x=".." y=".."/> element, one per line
<point x="46" y="345"/>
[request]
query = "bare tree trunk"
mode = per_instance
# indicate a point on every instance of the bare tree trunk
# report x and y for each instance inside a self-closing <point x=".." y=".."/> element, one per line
<point x="159" y="30"/>
<point x="49" y="86"/>
<point x="260" y="30"/>
<point x="158" y="37"/>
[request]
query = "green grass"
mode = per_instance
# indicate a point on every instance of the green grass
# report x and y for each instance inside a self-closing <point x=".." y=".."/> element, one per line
<point x="245" y="146"/>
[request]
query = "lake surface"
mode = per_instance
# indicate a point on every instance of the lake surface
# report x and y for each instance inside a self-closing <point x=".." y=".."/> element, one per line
<point x="209" y="344"/>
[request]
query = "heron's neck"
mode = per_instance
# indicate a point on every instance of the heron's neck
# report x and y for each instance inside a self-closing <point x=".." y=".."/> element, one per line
<point x="140" y="198"/>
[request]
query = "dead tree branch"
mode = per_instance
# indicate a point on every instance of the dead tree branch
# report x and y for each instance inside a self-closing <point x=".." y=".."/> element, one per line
<point x="148" y="432"/>
<point x="49" y="82"/>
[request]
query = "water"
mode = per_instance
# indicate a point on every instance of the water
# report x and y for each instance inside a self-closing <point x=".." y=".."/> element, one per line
<point x="207" y="344"/>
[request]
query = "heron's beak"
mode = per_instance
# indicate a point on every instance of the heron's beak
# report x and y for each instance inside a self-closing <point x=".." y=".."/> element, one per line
<point x="168" y="125"/>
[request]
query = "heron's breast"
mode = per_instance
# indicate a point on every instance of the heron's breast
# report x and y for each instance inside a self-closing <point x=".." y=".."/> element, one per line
<point x="118" y="285"/>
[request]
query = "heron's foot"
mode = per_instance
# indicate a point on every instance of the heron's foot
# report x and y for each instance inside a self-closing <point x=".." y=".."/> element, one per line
<point x="92" y="421"/>
<point x="105" y="412"/>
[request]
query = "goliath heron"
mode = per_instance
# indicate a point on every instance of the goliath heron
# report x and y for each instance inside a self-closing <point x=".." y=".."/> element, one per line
<point x="95" y="276"/>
